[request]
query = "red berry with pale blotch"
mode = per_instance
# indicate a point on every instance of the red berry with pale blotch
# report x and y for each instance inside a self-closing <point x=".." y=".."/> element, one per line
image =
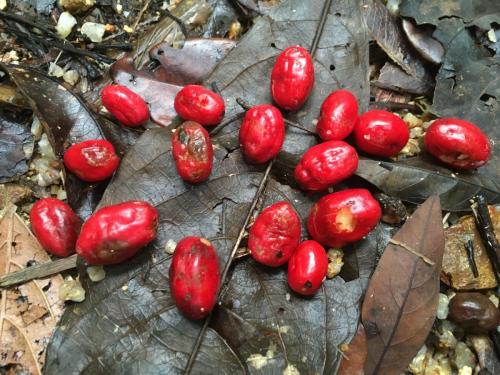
<point x="338" y="115"/>
<point x="326" y="164"/>
<point x="458" y="143"/>
<point x="292" y="78"/>
<point x="343" y="217"/>
<point x="381" y="133"/>
<point x="193" y="152"/>
<point x="274" y="235"/>
<point x="92" y="161"/>
<point x="194" y="277"/>
<point x="196" y="103"/>
<point x="116" y="233"/>
<point x="124" y="104"/>
<point x="55" y="226"/>
<point x="307" y="268"/>
<point x="262" y="133"/>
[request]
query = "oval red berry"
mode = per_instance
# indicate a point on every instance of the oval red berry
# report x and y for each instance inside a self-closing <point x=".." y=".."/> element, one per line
<point x="338" y="115"/>
<point x="193" y="152"/>
<point x="457" y="143"/>
<point x="343" y="217"/>
<point x="274" y="235"/>
<point x="262" y="133"/>
<point x="196" y="103"/>
<point x="307" y="268"/>
<point x="116" y="233"/>
<point x="292" y="78"/>
<point x="194" y="277"/>
<point x="326" y="164"/>
<point x="92" y="160"/>
<point x="55" y="226"/>
<point x="124" y="104"/>
<point x="381" y="133"/>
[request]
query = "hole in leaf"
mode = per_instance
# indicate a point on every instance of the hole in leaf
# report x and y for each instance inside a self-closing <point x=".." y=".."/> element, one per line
<point x="338" y="14"/>
<point x="273" y="45"/>
<point x="332" y="67"/>
<point x="13" y="243"/>
<point x="281" y="310"/>
<point x="160" y="52"/>
<point x="486" y="98"/>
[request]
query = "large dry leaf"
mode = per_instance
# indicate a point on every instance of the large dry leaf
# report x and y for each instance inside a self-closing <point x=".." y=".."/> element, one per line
<point x="401" y="300"/>
<point x="29" y="312"/>
<point x="354" y="359"/>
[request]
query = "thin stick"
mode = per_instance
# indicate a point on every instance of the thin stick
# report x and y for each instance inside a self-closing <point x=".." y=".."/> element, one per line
<point x="469" y="248"/>
<point x="25" y="21"/>
<point x="141" y="13"/>
<point x="321" y="26"/>
<point x="414" y="252"/>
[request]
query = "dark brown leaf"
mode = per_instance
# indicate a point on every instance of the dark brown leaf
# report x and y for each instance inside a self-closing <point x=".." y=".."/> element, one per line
<point x="401" y="300"/>
<point x="421" y="38"/>
<point x="353" y="362"/>
<point x="394" y="78"/>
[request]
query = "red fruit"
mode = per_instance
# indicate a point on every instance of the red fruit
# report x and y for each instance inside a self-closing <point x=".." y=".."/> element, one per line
<point x="194" y="277"/>
<point x="92" y="161"/>
<point x="343" y="217"/>
<point x="192" y="151"/>
<point x="381" y="133"/>
<point x="274" y="235"/>
<point x="262" y="133"/>
<point x="116" y="233"/>
<point x="338" y="116"/>
<point x="307" y="268"/>
<point x="458" y="143"/>
<point x="199" y="104"/>
<point x="292" y="78"/>
<point x="128" y="107"/>
<point x="326" y="164"/>
<point x="55" y="225"/>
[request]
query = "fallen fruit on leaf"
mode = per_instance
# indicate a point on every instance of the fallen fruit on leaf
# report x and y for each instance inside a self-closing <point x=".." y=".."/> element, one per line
<point x="55" y="226"/>
<point x="292" y="78"/>
<point x="194" y="277"/>
<point x="115" y="233"/>
<point x="457" y="143"/>
<point x="326" y="164"/>
<point x="381" y="133"/>
<point x="193" y="152"/>
<point x="92" y="160"/>
<point x="474" y="312"/>
<point x="338" y="115"/>
<point x="275" y="234"/>
<point x="262" y="133"/>
<point x="196" y="103"/>
<point x="307" y="268"/>
<point x="343" y="217"/>
<point x="124" y="104"/>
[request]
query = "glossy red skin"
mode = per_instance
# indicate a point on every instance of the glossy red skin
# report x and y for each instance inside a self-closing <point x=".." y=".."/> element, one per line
<point x="275" y="234"/>
<point x="262" y="133"/>
<point x="292" y="78"/>
<point x="326" y="164"/>
<point x="343" y="217"/>
<point x="55" y="226"/>
<point x="457" y="143"/>
<point x="338" y="115"/>
<point x="92" y="160"/>
<point x="193" y="152"/>
<point x="381" y="133"/>
<point x="307" y="268"/>
<point x="124" y="104"/>
<point x="196" y="103"/>
<point x="116" y="233"/>
<point x="194" y="277"/>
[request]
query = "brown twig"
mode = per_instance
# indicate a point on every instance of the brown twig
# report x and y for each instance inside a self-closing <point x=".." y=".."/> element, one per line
<point x="469" y="248"/>
<point x="140" y="14"/>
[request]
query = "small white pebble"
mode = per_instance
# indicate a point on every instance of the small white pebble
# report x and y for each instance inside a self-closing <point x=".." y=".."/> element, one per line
<point x="96" y="273"/>
<point x="94" y="31"/>
<point x="71" y="77"/>
<point x="442" y="309"/>
<point x="170" y="246"/>
<point x="71" y="290"/>
<point x="65" y="24"/>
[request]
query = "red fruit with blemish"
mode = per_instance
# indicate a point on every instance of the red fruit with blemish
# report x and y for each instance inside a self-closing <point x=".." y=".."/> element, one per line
<point x="292" y="78"/>
<point x="381" y="133"/>
<point x="275" y="234"/>
<point x="457" y="143"/>
<point x="92" y="160"/>
<point x="338" y="115"/>
<point x="194" y="277"/>
<point x="343" y="217"/>
<point x="326" y="164"/>
<point x="307" y="268"/>
<point x="55" y="225"/>
<point x="192" y="151"/>
<point x="196" y="103"/>
<point x="116" y="233"/>
<point x="262" y="133"/>
<point x="124" y="104"/>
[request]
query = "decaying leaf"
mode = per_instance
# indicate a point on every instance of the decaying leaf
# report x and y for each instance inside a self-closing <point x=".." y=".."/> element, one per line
<point x="353" y="362"/>
<point x="392" y="77"/>
<point x="29" y="312"/>
<point x="421" y="38"/>
<point x="401" y="300"/>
